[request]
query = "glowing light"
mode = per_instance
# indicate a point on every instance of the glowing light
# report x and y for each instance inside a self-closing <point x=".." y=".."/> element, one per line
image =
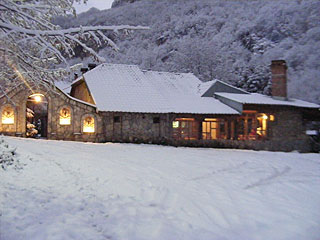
<point x="88" y="125"/>
<point x="262" y="129"/>
<point x="271" y="117"/>
<point x="65" y="121"/>
<point x="175" y="124"/>
<point x="37" y="98"/>
<point x="20" y="76"/>
<point x="65" y="116"/>
<point x="8" y="116"/>
<point x="210" y="119"/>
<point x="6" y="120"/>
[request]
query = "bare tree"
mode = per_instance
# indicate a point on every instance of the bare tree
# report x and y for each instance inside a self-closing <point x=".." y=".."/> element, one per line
<point x="33" y="49"/>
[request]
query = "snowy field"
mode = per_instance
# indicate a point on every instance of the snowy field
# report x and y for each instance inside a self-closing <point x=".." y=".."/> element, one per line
<point x="70" y="190"/>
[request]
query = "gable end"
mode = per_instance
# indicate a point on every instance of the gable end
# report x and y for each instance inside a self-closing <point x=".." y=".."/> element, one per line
<point x="219" y="86"/>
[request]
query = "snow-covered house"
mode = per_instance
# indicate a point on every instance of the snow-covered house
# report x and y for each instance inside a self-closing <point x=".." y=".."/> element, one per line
<point x="123" y="103"/>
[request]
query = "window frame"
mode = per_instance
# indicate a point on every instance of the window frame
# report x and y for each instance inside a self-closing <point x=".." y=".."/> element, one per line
<point x="83" y="124"/>
<point x="117" y="119"/>
<point x="209" y="124"/>
<point x="156" y="120"/>
<point x="13" y="112"/>
<point x="71" y="115"/>
<point x="187" y="129"/>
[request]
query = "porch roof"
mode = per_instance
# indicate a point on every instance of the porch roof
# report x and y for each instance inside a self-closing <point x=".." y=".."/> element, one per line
<point x="259" y="99"/>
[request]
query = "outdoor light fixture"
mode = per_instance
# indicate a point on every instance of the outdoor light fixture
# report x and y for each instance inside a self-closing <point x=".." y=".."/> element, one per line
<point x="37" y="97"/>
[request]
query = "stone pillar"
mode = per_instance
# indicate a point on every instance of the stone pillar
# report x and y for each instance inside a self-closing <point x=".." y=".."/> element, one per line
<point x="279" y="79"/>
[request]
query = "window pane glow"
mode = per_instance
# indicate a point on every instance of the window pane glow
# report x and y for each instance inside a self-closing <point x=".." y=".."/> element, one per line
<point x="88" y="125"/>
<point x="7" y="116"/>
<point x="262" y="129"/>
<point x="65" y="116"/>
<point x="175" y="124"/>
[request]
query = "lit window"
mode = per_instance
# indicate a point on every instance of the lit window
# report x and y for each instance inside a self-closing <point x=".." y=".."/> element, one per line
<point x="65" y="116"/>
<point x="262" y="122"/>
<point x="271" y="118"/>
<point x="175" y="124"/>
<point x="213" y="128"/>
<point x="88" y="125"/>
<point x="8" y="115"/>
<point x="185" y="129"/>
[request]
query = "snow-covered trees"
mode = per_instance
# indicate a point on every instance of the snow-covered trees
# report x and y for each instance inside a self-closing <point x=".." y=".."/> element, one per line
<point x="31" y="128"/>
<point x="233" y="40"/>
<point x="34" y="49"/>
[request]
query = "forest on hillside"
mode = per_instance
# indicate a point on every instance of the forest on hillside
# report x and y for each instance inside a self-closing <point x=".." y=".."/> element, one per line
<point x="233" y="41"/>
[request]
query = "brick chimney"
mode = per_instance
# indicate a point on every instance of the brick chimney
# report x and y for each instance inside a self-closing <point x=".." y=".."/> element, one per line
<point x="279" y="79"/>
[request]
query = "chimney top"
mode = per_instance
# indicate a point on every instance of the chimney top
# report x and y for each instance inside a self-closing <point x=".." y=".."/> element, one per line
<point x="279" y="79"/>
<point x="92" y="66"/>
<point x="279" y="62"/>
<point x="84" y="70"/>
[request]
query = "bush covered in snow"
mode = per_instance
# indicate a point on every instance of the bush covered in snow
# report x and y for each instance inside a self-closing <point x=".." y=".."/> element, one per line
<point x="8" y="156"/>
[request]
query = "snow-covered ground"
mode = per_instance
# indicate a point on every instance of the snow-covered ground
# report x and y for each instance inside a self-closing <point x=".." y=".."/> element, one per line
<point x="82" y="191"/>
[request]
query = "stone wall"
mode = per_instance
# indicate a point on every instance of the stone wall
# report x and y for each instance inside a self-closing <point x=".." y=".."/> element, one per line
<point x="288" y="123"/>
<point x="9" y="129"/>
<point x="56" y="100"/>
<point x="135" y="127"/>
<point x="285" y="133"/>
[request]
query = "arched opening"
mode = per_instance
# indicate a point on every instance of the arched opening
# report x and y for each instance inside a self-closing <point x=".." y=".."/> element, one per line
<point x="7" y="115"/>
<point x="37" y="116"/>
<point x="88" y="125"/>
<point x="65" y="116"/>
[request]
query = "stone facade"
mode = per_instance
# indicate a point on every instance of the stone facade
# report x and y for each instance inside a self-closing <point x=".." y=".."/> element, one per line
<point x="56" y="100"/>
<point x="135" y="127"/>
<point x="285" y="133"/>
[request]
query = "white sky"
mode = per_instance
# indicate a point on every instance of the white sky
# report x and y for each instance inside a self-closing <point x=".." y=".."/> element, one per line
<point x="100" y="4"/>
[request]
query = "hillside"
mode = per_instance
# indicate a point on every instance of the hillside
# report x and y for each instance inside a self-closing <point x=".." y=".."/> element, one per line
<point x="229" y="40"/>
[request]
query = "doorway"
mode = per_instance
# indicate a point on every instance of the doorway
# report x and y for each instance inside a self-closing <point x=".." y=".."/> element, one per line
<point x="37" y="116"/>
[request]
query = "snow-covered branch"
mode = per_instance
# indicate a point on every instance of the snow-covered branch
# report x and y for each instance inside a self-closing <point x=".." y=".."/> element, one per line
<point x="82" y="30"/>
<point x="33" y="49"/>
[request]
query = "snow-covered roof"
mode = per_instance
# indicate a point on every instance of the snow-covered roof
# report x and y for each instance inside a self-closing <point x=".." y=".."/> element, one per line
<point x="204" y="86"/>
<point x="183" y="92"/>
<point x="125" y="88"/>
<point x="63" y="86"/>
<point x="256" y="98"/>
